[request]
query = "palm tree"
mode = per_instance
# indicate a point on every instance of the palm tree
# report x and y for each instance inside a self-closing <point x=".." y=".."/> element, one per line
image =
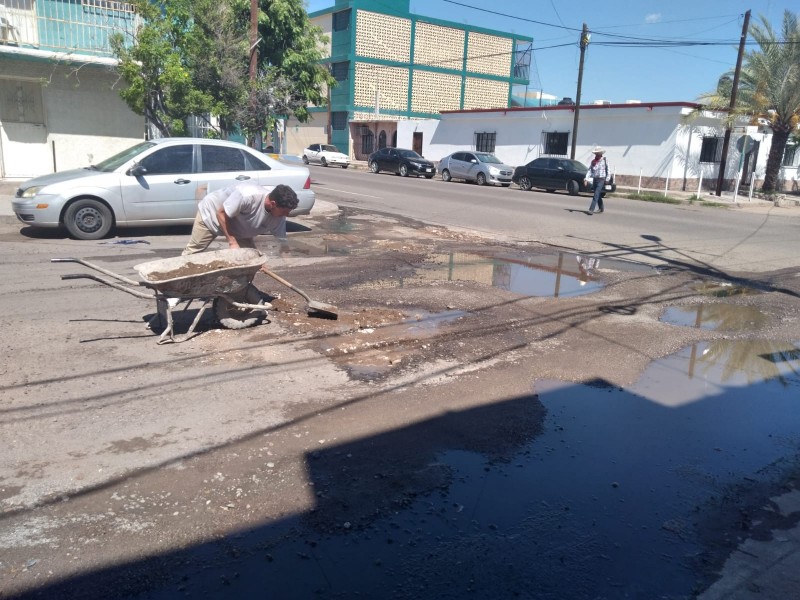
<point x="769" y="88"/>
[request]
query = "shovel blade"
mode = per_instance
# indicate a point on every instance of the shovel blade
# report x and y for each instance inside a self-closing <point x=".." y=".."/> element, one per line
<point x="321" y="309"/>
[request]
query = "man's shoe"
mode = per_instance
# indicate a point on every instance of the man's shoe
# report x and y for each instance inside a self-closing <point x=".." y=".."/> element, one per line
<point x="601" y="210"/>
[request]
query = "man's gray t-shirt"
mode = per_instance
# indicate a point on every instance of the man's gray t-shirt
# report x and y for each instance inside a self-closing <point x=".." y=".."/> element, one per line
<point x="244" y="206"/>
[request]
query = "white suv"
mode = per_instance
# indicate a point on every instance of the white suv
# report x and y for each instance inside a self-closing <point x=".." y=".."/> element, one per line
<point x="325" y="154"/>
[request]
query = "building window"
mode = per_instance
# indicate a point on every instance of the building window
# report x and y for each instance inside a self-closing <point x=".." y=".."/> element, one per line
<point x="339" y="70"/>
<point x="484" y="142"/>
<point x="341" y="20"/>
<point x="367" y="141"/>
<point x="198" y="126"/>
<point x="555" y="142"/>
<point x="522" y="61"/>
<point x="382" y="139"/>
<point x="110" y="5"/>
<point x="394" y="139"/>
<point x="711" y="150"/>
<point x="789" y="154"/>
<point x="339" y="120"/>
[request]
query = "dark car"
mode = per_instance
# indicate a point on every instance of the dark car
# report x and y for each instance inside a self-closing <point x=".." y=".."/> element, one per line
<point x="552" y="174"/>
<point x="401" y="161"/>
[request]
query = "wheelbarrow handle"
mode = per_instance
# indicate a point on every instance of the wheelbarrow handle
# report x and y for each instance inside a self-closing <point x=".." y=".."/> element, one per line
<point x="86" y="263"/>
<point x="112" y="284"/>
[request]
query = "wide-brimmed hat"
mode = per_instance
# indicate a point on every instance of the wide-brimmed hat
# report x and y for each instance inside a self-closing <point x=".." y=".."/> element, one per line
<point x="598" y="150"/>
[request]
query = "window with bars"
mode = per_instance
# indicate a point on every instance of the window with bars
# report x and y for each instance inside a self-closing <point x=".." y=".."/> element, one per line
<point x="339" y="70"/>
<point x="341" y="20"/>
<point x="711" y="150"/>
<point x="339" y="119"/>
<point x="485" y="141"/>
<point x="367" y="141"/>
<point x="109" y="5"/>
<point x="789" y="154"/>
<point x="555" y="143"/>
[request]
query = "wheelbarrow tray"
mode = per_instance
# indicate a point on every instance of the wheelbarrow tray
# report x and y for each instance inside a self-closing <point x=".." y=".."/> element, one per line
<point x="202" y="275"/>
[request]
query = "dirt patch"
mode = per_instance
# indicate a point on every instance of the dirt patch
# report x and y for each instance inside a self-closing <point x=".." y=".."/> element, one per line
<point x="190" y="269"/>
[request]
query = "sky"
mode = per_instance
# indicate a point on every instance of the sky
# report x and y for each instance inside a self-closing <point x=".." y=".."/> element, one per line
<point x="617" y="72"/>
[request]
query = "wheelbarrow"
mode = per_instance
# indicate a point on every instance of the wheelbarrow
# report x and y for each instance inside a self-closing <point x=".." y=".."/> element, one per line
<point x="222" y="279"/>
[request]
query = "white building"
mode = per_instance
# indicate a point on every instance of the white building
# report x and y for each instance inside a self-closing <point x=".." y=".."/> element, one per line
<point x="652" y="145"/>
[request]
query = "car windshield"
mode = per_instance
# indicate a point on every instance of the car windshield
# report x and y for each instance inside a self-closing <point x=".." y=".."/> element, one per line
<point x="330" y="148"/>
<point x="408" y="154"/>
<point x="110" y="164"/>
<point x="488" y="158"/>
<point x="575" y="165"/>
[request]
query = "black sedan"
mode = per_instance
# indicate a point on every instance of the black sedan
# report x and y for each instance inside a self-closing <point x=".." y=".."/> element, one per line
<point x="402" y="162"/>
<point x="552" y="174"/>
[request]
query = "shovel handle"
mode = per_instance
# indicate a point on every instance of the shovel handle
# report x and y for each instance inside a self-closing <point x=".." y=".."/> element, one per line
<point x="280" y="279"/>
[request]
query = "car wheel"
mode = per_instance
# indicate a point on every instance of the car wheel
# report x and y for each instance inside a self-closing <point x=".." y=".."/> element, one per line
<point x="446" y="175"/>
<point x="305" y="159"/>
<point x="573" y="187"/>
<point x="428" y="176"/>
<point x="231" y="317"/>
<point x="403" y="170"/>
<point x="323" y="162"/>
<point x="373" y="166"/>
<point x="88" y="219"/>
<point x="480" y="179"/>
<point x="344" y="166"/>
<point x="525" y="183"/>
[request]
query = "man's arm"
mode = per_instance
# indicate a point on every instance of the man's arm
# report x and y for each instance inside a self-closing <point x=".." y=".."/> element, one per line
<point x="222" y="217"/>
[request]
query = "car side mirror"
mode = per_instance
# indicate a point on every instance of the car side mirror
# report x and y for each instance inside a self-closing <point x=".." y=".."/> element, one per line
<point x="136" y="170"/>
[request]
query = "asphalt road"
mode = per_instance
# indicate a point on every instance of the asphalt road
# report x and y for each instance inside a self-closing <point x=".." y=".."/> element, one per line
<point x="748" y="238"/>
<point x="444" y="425"/>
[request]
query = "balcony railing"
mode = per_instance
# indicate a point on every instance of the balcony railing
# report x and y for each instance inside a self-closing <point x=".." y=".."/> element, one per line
<point x="71" y="26"/>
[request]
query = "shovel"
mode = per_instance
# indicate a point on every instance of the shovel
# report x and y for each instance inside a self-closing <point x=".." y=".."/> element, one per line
<point x="313" y="307"/>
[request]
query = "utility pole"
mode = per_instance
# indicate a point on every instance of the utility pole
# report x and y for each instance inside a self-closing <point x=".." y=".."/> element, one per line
<point x="584" y="41"/>
<point x="726" y="142"/>
<point x="254" y="62"/>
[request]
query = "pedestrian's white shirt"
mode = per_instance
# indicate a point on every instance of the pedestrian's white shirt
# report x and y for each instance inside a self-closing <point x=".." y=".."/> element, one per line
<point x="244" y="206"/>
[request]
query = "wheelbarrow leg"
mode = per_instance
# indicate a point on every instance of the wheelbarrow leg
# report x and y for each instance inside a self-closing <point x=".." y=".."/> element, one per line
<point x="168" y="334"/>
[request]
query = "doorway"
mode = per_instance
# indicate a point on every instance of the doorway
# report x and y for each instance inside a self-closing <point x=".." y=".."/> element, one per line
<point x="417" y="143"/>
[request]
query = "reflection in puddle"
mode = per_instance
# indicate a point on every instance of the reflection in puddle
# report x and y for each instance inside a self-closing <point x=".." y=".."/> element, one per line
<point x="712" y="367"/>
<point x="606" y="501"/>
<point x="724" y="289"/>
<point x="716" y="317"/>
<point x="551" y="275"/>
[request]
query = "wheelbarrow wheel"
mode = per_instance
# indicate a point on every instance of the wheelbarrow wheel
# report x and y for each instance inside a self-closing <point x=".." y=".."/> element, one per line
<point x="231" y="317"/>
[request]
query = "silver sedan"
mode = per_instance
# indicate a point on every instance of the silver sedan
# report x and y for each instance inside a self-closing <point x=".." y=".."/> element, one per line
<point x="480" y="167"/>
<point x="157" y="182"/>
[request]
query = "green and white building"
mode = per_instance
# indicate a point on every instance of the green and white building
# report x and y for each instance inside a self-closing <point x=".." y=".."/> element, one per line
<point x="392" y="65"/>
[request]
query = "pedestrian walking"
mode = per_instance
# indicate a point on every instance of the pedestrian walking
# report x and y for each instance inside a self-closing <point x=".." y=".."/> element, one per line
<point x="598" y="173"/>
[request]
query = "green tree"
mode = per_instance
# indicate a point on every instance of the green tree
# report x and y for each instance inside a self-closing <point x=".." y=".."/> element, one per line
<point x="769" y="88"/>
<point x="191" y="57"/>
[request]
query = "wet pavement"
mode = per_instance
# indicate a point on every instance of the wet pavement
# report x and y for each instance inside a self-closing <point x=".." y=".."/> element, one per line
<point x="502" y="422"/>
<point x="610" y="493"/>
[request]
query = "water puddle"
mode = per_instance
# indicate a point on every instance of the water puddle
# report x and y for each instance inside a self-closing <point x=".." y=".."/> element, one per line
<point x="724" y="289"/>
<point x="716" y="317"/>
<point x="586" y="491"/>
<point x="559" y="275"/>
<point x="370" y="353"/>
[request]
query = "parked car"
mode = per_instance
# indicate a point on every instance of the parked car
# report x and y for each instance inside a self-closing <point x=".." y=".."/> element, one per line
<point x="401" y="161"/>
<point x="480" y="167"/>
<point x="157" y="182"/>
<point x="325" y="154"/>
<point x="552" y="174"/>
